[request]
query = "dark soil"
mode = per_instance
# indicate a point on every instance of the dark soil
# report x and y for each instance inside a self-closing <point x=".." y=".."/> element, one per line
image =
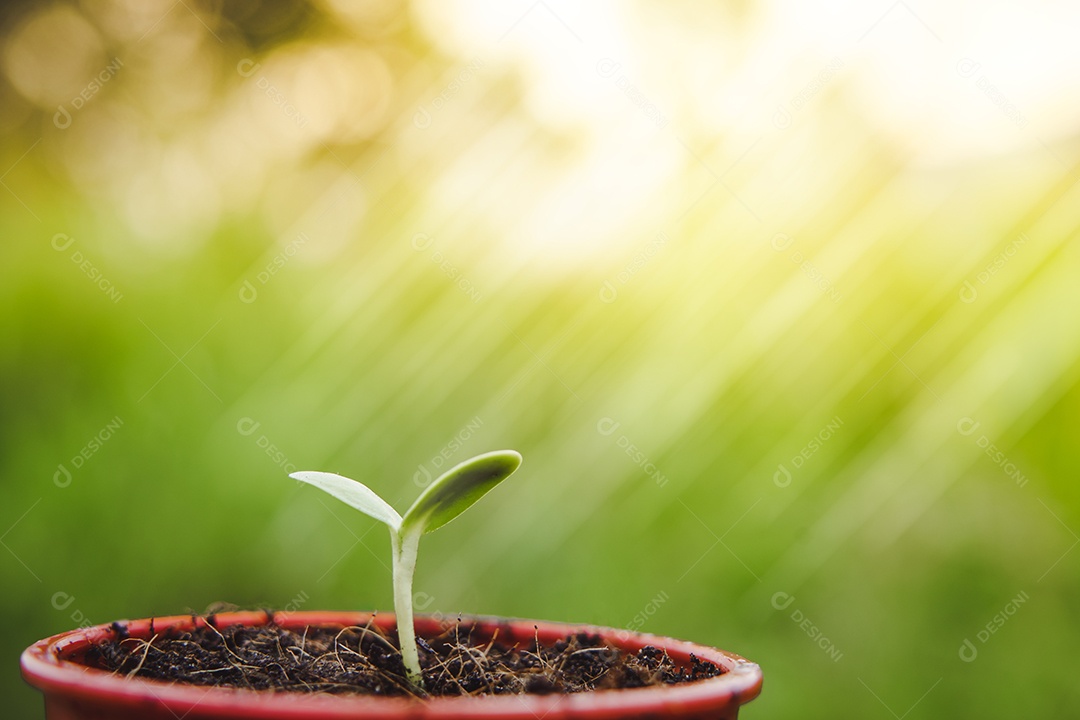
<point x="366" y="660"/>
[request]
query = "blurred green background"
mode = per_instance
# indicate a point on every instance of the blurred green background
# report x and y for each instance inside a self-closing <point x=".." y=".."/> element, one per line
<point x="778" y="301"/>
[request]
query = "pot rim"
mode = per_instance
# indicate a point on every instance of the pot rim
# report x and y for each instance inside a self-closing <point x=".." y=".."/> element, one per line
<point x="45" y="665"/>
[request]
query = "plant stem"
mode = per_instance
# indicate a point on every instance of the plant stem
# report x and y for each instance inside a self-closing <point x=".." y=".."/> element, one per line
<point x="405" y="546"/>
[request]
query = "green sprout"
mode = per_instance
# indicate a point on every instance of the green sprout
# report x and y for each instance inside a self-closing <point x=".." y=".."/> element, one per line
<point x="443" y="500"/>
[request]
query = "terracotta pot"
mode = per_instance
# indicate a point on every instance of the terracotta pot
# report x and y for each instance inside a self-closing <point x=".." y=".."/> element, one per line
<point x="74" y="691"/>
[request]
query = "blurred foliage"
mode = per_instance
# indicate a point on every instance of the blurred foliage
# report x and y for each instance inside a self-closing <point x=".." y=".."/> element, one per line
<point x="734" y="295"/>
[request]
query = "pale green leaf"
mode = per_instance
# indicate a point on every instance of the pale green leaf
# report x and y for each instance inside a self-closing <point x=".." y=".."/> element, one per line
<point x="455" y="490"/>
<point x="352" y="493"/>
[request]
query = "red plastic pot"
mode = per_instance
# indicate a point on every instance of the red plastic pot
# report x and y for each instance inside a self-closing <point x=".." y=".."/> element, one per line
<point x="74" y="691"/>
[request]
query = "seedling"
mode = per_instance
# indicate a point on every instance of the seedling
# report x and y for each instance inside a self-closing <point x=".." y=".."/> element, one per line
<point x="440" y="502"/>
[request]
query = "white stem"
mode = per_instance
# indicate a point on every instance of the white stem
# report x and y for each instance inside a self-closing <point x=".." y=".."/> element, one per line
<point x="405" y="547"/>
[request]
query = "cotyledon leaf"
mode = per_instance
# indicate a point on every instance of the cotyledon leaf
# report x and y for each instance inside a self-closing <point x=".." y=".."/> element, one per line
<point x="352" y="493"/>
<point x="459" y="487"/>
